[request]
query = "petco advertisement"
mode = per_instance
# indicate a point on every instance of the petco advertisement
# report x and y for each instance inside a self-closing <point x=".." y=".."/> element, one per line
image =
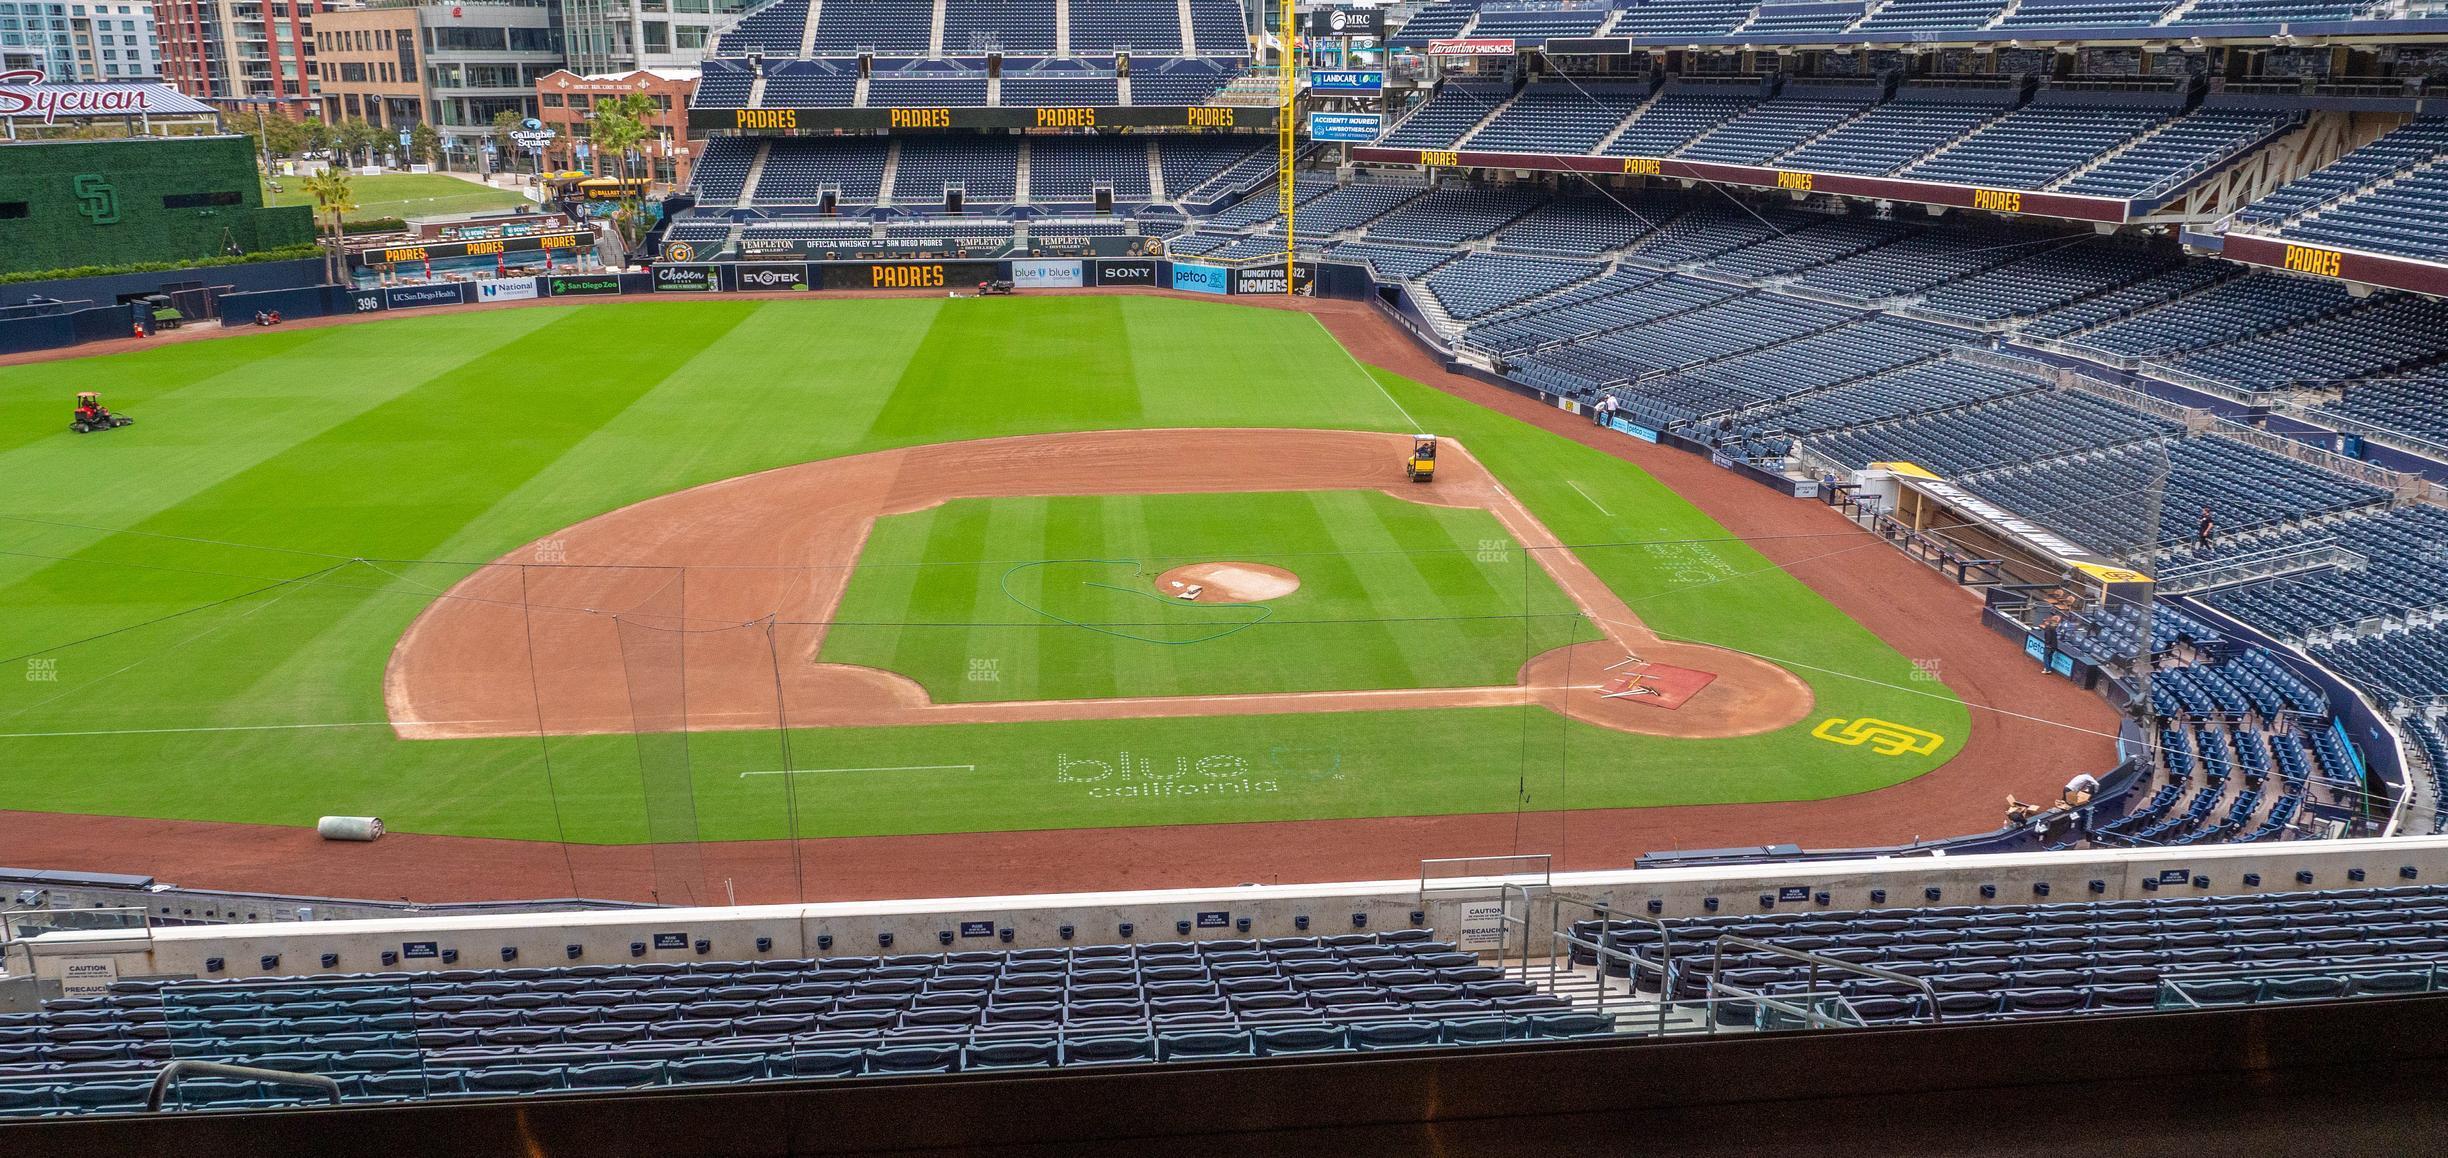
<point x="410" y="297"/>
<point x="1201" y="279"/>
<point x="685" y="279"/>
<point x="1048" y="275"/>
<point x="506" y="289"/>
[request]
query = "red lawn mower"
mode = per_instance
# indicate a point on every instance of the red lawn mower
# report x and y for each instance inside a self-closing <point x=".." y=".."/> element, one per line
<point x="91" y="415"/>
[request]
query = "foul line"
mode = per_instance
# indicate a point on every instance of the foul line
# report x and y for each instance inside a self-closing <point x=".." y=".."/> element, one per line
<point x="1593" y="501"/>
<point x="1364" y="372"/>
<point x="902" y="768"/>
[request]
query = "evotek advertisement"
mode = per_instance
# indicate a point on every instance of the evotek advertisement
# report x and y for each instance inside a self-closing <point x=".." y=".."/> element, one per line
<point x="772" y="277"/>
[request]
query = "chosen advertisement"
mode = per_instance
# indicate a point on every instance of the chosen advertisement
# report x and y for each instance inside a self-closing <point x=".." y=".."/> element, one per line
<point x="410" y="297"/>
<point x="773" y="277"/>
<point x="1357" y="127"/>
<point x="582" y="285"/>
<point x="1141" y="273"/>
<point x="1346" y="80"/>
<point x="1201" y="279"/>
<point x="1269" y="279"/>
<point x="1470" y="47"/>
<point x="506" y="289"/>
<point x="686" y="279"/>
<point x="1048" y="274"/>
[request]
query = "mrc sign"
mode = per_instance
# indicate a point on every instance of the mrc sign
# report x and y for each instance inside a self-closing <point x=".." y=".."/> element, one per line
<point x="23" y="93"/>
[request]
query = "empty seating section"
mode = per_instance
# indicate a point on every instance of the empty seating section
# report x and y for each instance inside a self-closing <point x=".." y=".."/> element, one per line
<point x="1584" y="226"/>
<point x="884" y="27"/>
<point x="1985" y="962"/>
<point x="804" y="84"/>
<point x="2407" y="216"/>
<point x="2083" y="13"/>
<point x="1793" y="18"/>
<point x="2223" y="313"/>
<point x="2267" y="11"/>
<point x="1071" y="168"/>
<point x="1350" y="207"/>
<point x="1923" y="388"/>
<point x="1219" y="26"/>
<point x="1722" y="329"/>
<point x="927" y="85"/>
<point x="2377" y="335"/>
<point x="1816" y="244"/>
<point x="774" y="30"/>
<point x="1605" y="304"/>
<point x="2418" y="142"/>
<point x="1533" y="25"/>
<point x="1139" y="27"/>
<point x="2174" y="154"/>
<point x="1771" y="129"/>
<point x="1202" y="166"/>
<point x="2416" y="405"/>
<point x="1448" y="113"/>
<point x="1682" y="17"/>
<point x="2091" y="497"/>
<point x="1180" y="81"/>
<point x="722" y="84"/>
<point x="1797" y="368"/>
<point x="1449" y="215"/>
<point x="1918" y="263"/>
<point x="1433" y="22"/>
<point x="1390" y="262"/>
<point x="801" y="169"/>
<point x="397" y="1036"/>
<point x="1052" y="86"/>
<point x="1478" y="284"/>
<point x="1712" y="228"/>
<point x="1889" y="137"/>
<point x="2034" y="145"/>
<point x="2068" y="271"/>
<point x="1016" y="27"/>
<point x="1673" y="119"/>
<point x="1931" y="15"/>
<point x="1558" y="116"/>
<point x="723" y="170"/>
<point x="987" y="169"/>
<point x="2398" y="574"/>
<point x="2125" y="301"/>
<point x="2405" y="668"/>
<point x="1949" y="438"/>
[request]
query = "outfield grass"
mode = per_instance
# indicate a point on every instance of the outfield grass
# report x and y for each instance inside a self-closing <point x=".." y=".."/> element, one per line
<point x="1393" y="594"/>
<point x="405" y="195"/>
<point x="202" y="604"/>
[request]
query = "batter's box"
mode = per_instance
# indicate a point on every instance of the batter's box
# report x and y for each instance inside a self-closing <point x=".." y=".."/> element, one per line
<point x="1658" y="686"/>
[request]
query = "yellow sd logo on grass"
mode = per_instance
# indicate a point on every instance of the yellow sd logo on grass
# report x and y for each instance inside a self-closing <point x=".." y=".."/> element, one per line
<point x="1884" y="736"/>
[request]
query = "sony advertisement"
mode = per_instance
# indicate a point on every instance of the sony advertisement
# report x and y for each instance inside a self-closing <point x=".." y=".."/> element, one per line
<point x="1138" y="273"/>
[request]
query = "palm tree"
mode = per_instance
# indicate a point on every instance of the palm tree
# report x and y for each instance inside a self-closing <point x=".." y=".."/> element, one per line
<point x="330" y="190"/>
<point x="618" y="128"/>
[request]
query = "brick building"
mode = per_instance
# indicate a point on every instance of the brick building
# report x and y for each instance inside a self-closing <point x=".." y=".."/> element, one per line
<point x="566" y="100"/>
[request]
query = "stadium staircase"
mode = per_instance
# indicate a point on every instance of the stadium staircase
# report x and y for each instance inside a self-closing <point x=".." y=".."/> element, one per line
<point x="2122" y="148"/>
<point x="807" y="35"/>
<point x="935" y="30"/>
<point x="2172" y="15"/>
<point x="756" y="172"/>
<point x="1020" y="174"/>
<point x="1625" y="125"/>
<point x="892" y="173"/>
<point x="994" y="90"/>
<point x="1189" y="28"/>
<point x="1157" y="193"/>
<point x="1122" y="89"/>
<point x="858" y="94"/>
<point x="1062" y="28"/>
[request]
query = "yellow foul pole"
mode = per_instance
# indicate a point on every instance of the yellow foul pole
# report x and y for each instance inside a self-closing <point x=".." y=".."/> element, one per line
<point x="1287" y="144"/>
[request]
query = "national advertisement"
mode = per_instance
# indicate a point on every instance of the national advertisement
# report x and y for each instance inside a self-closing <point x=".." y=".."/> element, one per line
<point x="506" y="289"/>
<point x="1352" y="127"/>
<point x="686" y="279"/>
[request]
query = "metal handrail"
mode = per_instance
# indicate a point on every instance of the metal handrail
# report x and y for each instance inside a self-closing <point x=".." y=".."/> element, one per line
<point x="1559" y="934"/>
<point x="177" y="1069"/>
<point x="1815" y="960"/>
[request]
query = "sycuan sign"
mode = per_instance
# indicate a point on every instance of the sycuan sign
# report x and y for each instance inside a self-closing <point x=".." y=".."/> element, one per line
<point x="23" y="94"/>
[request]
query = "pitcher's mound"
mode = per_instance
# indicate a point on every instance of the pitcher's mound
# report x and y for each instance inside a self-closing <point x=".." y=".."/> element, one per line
<point x="1227" y="582"/>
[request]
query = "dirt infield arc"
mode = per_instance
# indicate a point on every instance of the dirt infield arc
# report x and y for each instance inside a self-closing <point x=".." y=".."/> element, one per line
<point x="2029" y="732"/>
<point x="518" y="646"/>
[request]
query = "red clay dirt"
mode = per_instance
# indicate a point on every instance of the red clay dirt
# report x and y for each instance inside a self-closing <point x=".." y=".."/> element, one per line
<point x="1227" y="582"/>
<point x="2030" y="731"/>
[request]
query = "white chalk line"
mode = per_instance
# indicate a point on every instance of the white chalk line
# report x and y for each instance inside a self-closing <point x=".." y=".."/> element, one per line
<point x="901" y="768"/>
<point x="1593" y="499"/>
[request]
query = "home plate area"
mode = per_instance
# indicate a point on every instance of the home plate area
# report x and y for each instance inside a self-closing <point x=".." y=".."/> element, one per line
<point x="1657" y="685"/>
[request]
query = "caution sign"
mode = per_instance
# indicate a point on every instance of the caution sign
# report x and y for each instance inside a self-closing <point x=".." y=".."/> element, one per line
<point x="88" y="976"/>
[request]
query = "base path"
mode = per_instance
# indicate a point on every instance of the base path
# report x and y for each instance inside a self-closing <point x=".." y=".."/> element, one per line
<point x="2030" y="732"/>
<point x="699" y="597"/>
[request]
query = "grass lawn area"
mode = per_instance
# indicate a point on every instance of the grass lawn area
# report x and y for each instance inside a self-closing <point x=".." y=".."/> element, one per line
<point x="201" y="606"/>
<point x="405" y="195"/>
<point x="1392" y="594"/>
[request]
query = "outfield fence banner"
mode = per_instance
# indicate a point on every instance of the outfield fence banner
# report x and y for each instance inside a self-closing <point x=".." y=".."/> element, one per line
<point x="411" y="297"/>
<point x="1201" y="279"/>
<point x="1349" y="127"/>
<point x="1269" y="279"/>
<point x="944" y="275"/>
<point x="365" y="301"/>
<point x="506" y="289"/>
<point x="1033" y="274"/>
<point x="754" y="276"/>
<point x="687" y="278"/>
<point x="1126" y="273"/>
<point x="583" y="285"/>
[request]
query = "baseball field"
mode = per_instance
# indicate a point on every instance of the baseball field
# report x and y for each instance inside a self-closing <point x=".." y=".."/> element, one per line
<point x="746" y="570"/>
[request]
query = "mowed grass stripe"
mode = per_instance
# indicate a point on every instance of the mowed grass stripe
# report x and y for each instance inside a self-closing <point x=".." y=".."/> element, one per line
<point x="989" y="372"/>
